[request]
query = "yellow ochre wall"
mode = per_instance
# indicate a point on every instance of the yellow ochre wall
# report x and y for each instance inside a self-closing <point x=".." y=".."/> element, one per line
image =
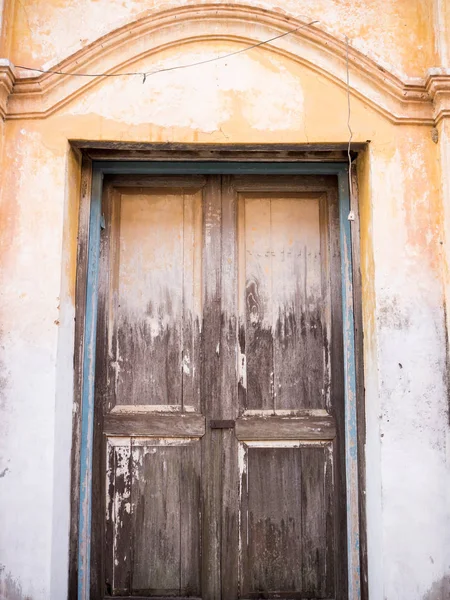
<point x="291" y="90"/>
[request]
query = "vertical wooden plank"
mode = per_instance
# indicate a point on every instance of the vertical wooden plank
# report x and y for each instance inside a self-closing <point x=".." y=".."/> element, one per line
<point x="112" y="248"/>
<point x="229" y="393"/>
<point x="351" y="438"/>
<point x="156" y="515"/>
<point x="88" y="391"/>
<point x="211" y="391"/>
<point x="360" y="405"/>
<point x="122" y="529"/>
<point x="192" y="298"/>
<point x="243" y="555"/>
<point x="317" y="522"/>
<point x="190" y="519"/>
<point x="80" y="304"/>
<point x="241" y="305"/>
<point x="256" y="290"/>
<point x="297" y="303"/>
<point x="101" y="394"/>
<point x="109" y="517"/>
<point x="331" y="302"/>
<point x="330" y="218"/>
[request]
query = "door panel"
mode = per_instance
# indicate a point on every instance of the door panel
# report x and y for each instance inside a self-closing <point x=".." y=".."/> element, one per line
<point x="218" y="444"/>
<point x="287" y="519"/>
<point x="156" y="296"/>
<point x="152" y="515"/>
<point x="282" y="296"/>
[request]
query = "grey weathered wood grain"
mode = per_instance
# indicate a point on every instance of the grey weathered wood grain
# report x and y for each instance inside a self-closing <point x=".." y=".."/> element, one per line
<point x="192" y="298"/>
<point x="80" y="304"/>
<point x="152" y="525"/>
<point x="297" y="302"/>
<point x="156" y="516"/>
<point x="337" y="407"/>
<point x="255" y="295"/>
<point x="357" y="316"/>
<point x="101" y="399"/>
<point x="317" y="522"/>
<point x="107" y="513"/>
<point x="108" y="150"/>
<point x="211" y="390"/>
<point x="119" y="483"/>
<point x="155" y="296"/>
<point x="157" y="425"/>
<point x="285" y="428"/>
<point x="190" y="519"/>
<point x="150" y="289"/>
<point x="138" y="184"/>
<point x="274" y="528"/>
<point x="227" y="408"/>
<point x="108" y="292"/>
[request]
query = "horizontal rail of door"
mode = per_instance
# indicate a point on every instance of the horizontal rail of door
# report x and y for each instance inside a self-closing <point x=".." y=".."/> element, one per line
<point x="246" y="428"/>
<point x="285" y="428"/>
<point x="155" y="425"/>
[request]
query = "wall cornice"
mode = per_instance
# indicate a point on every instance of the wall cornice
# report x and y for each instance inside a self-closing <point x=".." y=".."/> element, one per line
<point x="438" y="87"/>
<point x="7" y="79"/>
<point x="413" y="101"/>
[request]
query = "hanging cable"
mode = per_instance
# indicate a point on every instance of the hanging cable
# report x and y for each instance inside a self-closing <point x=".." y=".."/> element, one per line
<point x="145" y="74"/>
<point x="349" y="127"/>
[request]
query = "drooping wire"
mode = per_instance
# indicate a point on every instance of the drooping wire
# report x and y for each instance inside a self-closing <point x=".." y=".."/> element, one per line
<point x="349" y="127"/>
<point x="145" y="74"/>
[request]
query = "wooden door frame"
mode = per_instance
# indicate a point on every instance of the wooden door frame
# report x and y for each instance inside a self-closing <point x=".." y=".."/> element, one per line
<point x="100" y="159"/>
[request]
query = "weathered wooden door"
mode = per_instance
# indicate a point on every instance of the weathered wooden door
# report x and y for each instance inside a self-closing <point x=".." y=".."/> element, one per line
<point x="218" y="445"/>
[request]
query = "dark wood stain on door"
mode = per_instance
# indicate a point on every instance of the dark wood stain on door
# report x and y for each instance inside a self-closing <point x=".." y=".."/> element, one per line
<point x="219" y="302"/>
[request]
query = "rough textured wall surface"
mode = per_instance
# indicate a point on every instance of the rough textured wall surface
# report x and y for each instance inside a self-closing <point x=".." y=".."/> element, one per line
<point x="271" y="94"/>
<point x="398" y="32"/>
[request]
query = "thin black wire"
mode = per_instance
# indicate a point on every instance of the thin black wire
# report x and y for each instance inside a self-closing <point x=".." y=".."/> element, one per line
<point x="350" y="131"/>
<point x="144" y="75"/>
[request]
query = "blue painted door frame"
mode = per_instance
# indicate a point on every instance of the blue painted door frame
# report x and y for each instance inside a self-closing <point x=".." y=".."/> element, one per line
<point x="101" y="168"/>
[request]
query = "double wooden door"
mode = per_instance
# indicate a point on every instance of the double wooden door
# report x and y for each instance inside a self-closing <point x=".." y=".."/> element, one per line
<point x="218" y="444"/>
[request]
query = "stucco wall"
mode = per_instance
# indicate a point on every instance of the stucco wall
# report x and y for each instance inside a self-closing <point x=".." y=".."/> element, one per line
<point x="268" y="95"/>
<point x="398" y="32"/>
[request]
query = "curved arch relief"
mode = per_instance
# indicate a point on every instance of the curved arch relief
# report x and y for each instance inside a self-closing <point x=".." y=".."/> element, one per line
<point x="400" y="101"/>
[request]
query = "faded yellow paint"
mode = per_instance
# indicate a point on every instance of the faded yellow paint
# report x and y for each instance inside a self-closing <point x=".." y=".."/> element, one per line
<point x="6" y="27"/>
<point x="367" y="259"/>
<point x="399" y="32"/>
<point x="71" y="225"/>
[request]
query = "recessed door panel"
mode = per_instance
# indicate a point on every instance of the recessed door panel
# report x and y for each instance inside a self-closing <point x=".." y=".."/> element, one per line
<point x="155" y="297"/>
<point x="283" y="294"/>
<point x="287" y="532"/>
<point x="152" y="516"/>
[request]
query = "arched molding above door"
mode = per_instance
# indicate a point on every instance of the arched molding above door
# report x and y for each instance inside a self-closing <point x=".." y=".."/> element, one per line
<point x="400" y="101"/>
